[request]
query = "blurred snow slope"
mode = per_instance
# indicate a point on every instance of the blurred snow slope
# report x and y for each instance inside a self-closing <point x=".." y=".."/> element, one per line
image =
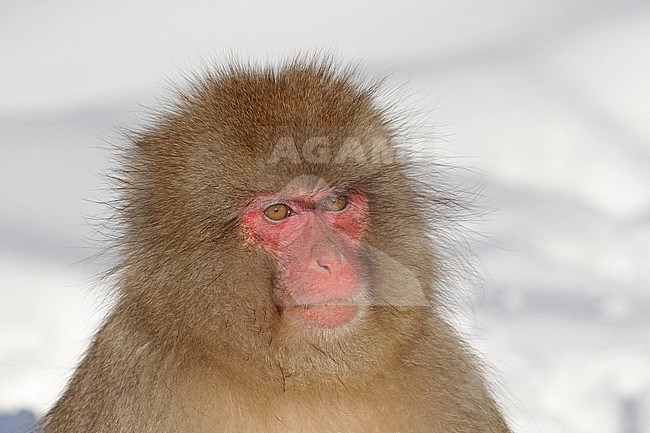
<point x="547" y="100"/>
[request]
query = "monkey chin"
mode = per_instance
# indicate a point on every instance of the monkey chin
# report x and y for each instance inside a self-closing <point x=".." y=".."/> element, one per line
<point x="331" y="315"/>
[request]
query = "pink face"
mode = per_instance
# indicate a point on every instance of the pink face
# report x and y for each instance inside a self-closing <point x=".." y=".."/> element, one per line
<point x="316" y="241"/>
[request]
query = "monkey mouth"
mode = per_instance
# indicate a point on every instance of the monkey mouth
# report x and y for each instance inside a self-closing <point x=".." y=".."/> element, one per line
<point x="326" y="315"/>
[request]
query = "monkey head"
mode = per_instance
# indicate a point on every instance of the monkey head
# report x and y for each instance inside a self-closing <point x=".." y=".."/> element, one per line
<point x="269" y="211"/>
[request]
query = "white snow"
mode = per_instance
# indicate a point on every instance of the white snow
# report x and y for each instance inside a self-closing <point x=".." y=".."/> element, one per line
<point x="545" y="102"/>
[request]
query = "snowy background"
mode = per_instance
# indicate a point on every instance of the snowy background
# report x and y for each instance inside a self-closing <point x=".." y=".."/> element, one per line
<point x="547" y="102"/>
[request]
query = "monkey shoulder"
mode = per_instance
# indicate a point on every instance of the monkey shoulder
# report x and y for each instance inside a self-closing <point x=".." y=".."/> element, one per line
<point x="122" y="376"/>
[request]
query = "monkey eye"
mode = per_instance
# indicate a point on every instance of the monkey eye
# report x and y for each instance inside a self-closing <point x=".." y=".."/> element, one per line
<point x="336" y="203"/>
<point x="278" y="211"/>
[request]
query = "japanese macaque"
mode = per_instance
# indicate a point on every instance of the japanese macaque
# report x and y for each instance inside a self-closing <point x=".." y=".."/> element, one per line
<point x="281" y="271"/>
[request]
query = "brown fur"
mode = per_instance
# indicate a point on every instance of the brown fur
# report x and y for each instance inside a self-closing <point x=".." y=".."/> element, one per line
<point x="195" y="343"/>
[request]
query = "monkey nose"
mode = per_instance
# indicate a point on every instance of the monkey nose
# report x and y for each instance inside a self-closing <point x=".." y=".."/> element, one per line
<point x="328" y="262"/>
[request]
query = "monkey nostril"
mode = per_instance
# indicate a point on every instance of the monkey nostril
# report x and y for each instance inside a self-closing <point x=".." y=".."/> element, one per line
<point x="328" y="261"/>
<point x="321" y="266"/>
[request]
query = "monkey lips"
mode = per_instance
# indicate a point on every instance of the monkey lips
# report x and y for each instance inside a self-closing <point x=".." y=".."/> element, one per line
<point x="323" y="315"/>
